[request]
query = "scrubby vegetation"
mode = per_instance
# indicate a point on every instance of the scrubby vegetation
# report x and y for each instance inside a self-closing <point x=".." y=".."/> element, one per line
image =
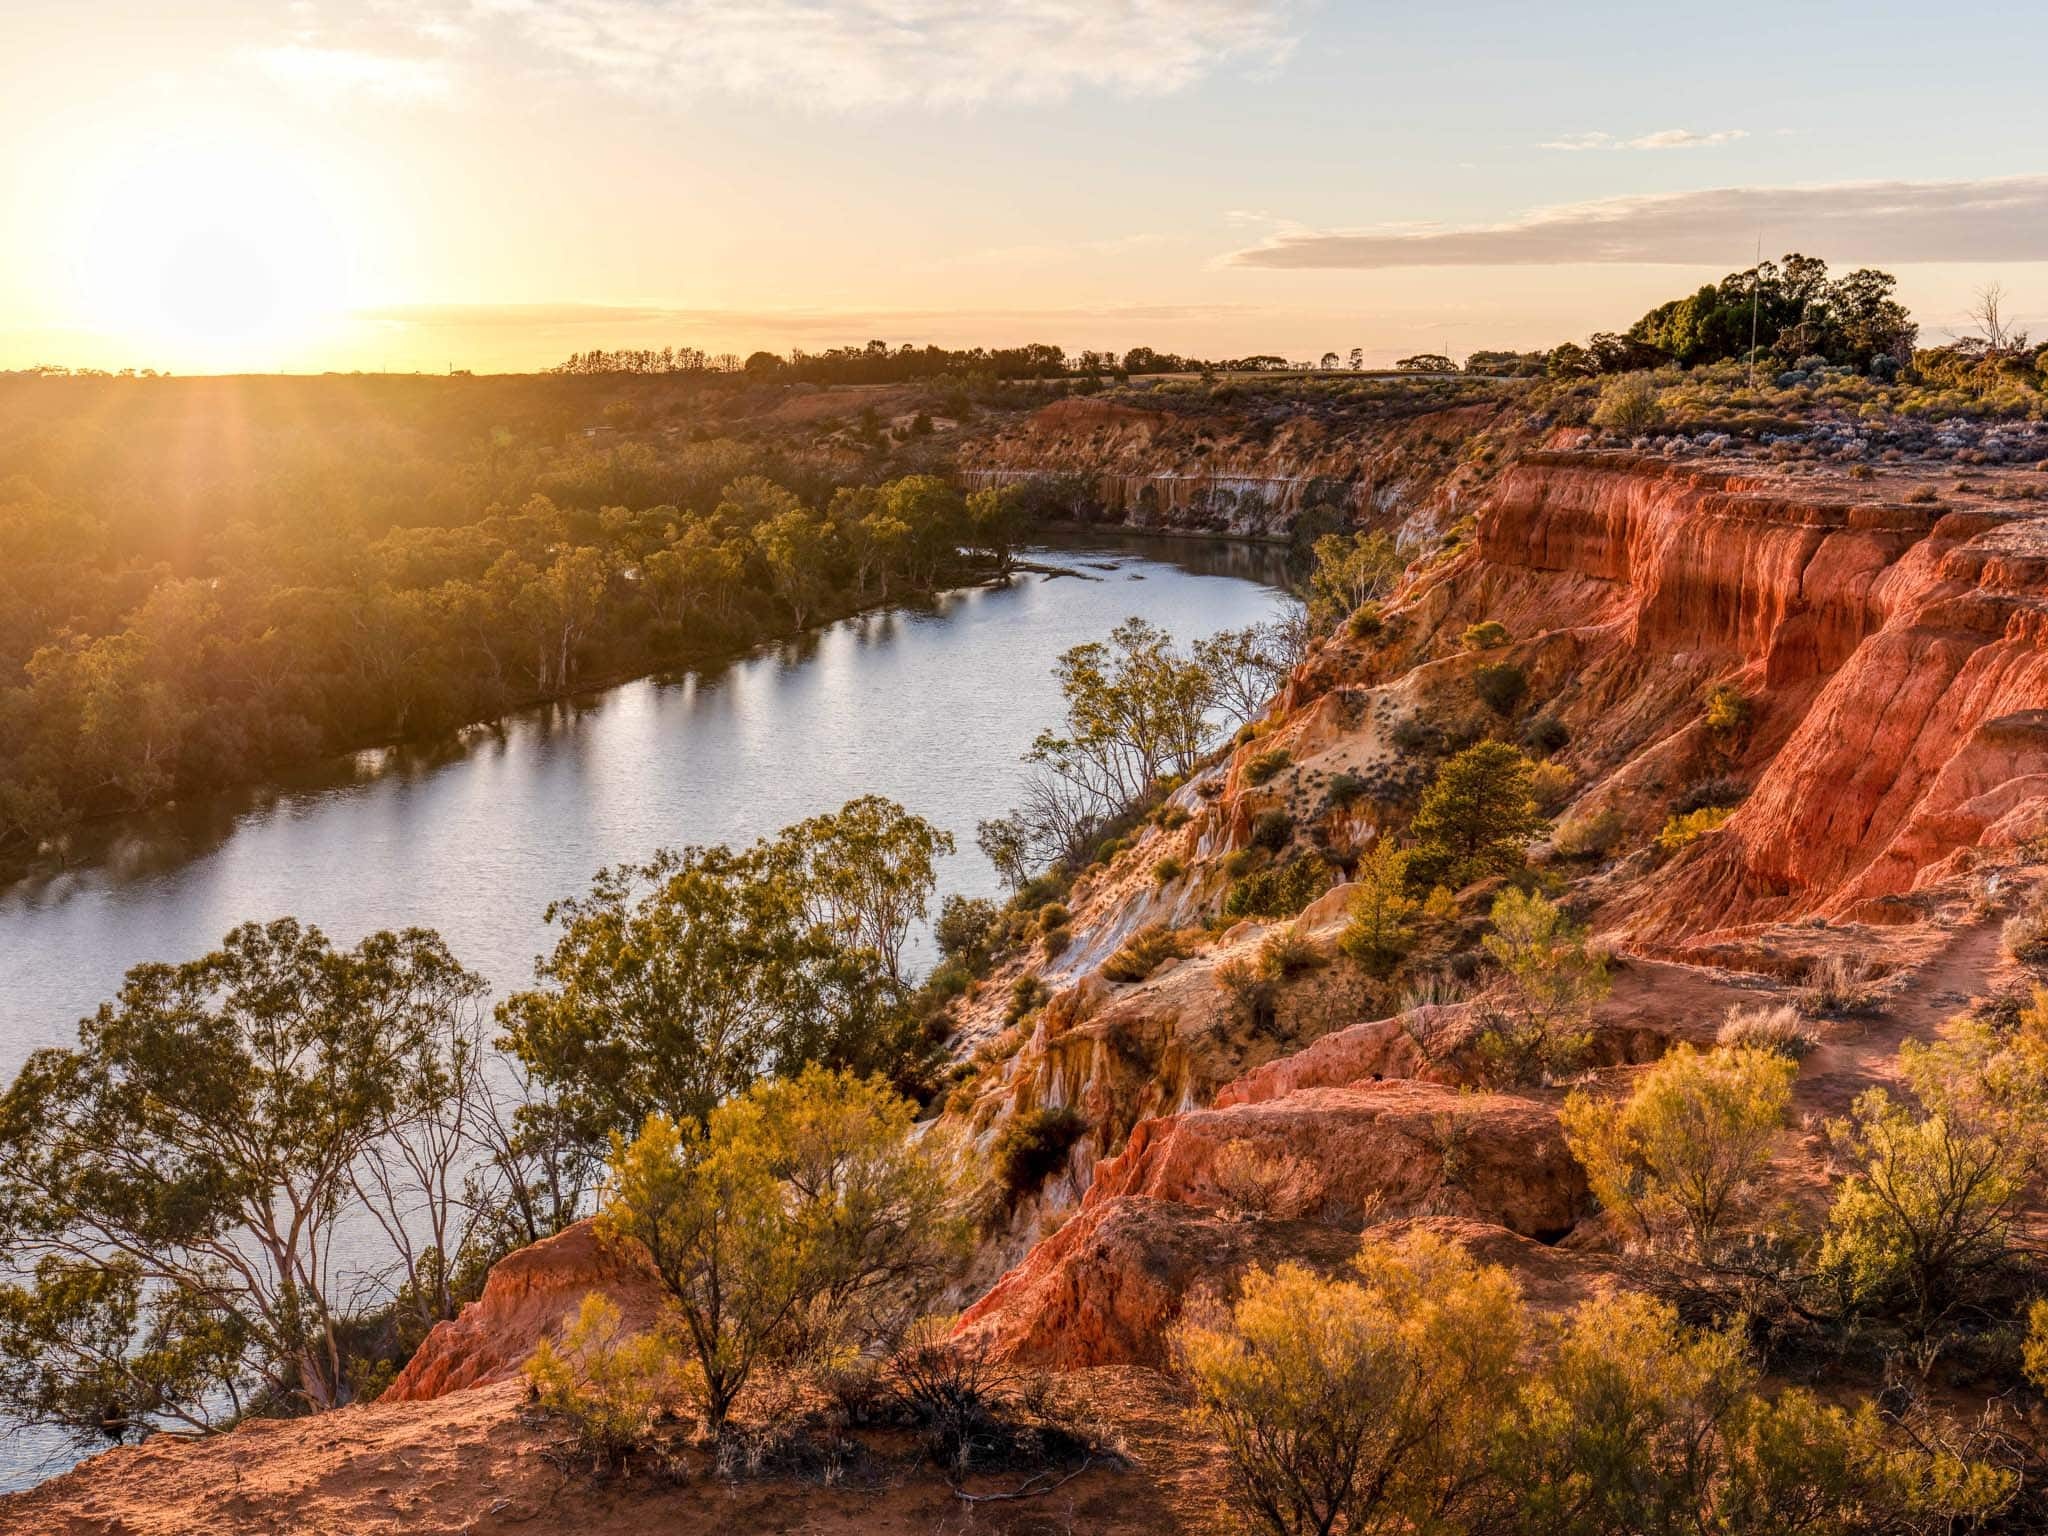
<point x="1143" y="953"/>
<point x="799" y="1222"/>
<point x="1780" y="1030"/>
<point x="608" y="1385"/>
<point x="1682" y="1156"/>
<point x="1032" y="1147"/>
<point x="1537" y="1026"/>
<point x="1421" y="1394"/>
<point x="1264" y="1183"/>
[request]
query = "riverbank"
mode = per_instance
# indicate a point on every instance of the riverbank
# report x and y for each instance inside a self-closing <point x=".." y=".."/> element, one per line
<point x="55" y="855"/>
<point x="931" y="705"/>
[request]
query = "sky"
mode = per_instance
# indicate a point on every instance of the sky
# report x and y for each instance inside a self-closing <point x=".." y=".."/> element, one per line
<point x="227" y="185"/>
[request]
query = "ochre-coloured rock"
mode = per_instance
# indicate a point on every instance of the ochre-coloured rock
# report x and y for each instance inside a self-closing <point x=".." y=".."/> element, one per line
<point x="1106" y="1288"/>
<point x="1394" y="1148"/>
<point x="1895" y="654"/>
<point x="530" y="1295"/>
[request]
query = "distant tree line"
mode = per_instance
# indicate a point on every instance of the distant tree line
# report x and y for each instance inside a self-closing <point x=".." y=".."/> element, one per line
<point x="879" y="363"/>
<point x="305" y="592"/>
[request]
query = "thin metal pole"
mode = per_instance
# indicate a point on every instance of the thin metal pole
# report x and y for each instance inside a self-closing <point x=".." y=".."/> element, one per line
<point x="1756" y="278"/>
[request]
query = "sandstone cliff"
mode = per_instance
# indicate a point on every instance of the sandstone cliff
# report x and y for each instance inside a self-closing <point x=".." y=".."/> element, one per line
<point x="1146" y="466"/>
<point x="1890" y="776"/>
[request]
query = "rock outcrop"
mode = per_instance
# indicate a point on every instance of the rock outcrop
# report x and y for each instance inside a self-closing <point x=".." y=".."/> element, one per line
<point x="1895" y="653"/>
<point x="529" y="1296"/>
<point x="1892" y="650"/>
<point x="1374" y="1148"/>
<point x="1151" y="467"/>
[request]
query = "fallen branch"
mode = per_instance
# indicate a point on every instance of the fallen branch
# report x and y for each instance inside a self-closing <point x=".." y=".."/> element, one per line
<point x="1033" y="1487"/>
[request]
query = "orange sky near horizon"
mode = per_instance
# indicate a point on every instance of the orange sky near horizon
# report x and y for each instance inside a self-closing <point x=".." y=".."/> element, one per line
<point x="230" y="185"/>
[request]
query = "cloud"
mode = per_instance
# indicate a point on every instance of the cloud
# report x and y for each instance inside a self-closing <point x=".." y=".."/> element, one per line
<point x="2004" y="219"/>
<point x="1663" y="138"/>
<point x="327" y="72"/>
<point x="839" y="54"/>
<point x="1685" y="138"/>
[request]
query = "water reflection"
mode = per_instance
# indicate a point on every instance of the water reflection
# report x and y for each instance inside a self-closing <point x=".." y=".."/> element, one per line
<point x="931" y="703"/>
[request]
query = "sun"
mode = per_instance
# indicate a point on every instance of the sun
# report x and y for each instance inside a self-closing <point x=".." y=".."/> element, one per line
<point x="211" y="254"/>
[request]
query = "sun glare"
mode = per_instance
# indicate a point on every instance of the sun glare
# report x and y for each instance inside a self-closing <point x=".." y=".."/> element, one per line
<point x="210" y="255"/>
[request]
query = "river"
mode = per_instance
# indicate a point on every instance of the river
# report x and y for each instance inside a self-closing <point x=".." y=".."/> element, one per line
<point x="931" y="705"/>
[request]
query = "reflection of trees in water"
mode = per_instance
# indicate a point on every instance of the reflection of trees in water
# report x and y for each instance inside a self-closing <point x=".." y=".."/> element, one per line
<point x="145" y="845"/>
<point x="1244" y="560"/>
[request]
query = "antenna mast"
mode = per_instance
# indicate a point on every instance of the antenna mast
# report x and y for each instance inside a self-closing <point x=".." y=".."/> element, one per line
<point x="1756" y="278"/>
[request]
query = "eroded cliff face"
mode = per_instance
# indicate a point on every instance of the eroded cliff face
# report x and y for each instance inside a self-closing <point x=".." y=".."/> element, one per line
<point x="1888" y="636"/>
<point x="1892" y="652"/>
<point x="529" y="1296"/>
<point x="1221" y="473"/>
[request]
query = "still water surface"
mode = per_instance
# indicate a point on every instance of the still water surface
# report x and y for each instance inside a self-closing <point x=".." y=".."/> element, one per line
<point x="931" y="706"/>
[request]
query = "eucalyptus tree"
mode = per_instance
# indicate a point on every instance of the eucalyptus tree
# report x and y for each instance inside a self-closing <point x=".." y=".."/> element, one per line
<point x="676" y="984"/>
<point x="174" y="1190"/>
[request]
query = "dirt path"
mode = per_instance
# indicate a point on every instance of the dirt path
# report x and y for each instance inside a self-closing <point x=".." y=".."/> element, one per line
<point x="1860" y="1053"/>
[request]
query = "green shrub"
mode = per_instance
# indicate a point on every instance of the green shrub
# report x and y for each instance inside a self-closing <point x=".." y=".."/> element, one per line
<point x="1254" y="998"/>
<point x="1706" y="793"/>
<point x="1039" y="890"/>
<point x="1683" y="831"/>
<point x="1279" y="891"/>
<point x="965" y="930"/>
<point x="1686" y="1153"/>
<point x="1173" y="817"/>
<point x="1589" y="837"/>
<point x="1272" y="829"/>
<point x="1026" y="993"/>
<point x="1629" y="405"/>
<point x="1345" y="789"/>
<point x="609" y="1386"/>
<point x="1110" y="849"/>
<point x="1033" y="1147"/>
<point x="1541" y="1024"/>
<point x="1053" y="915"/>
<point x="1168" y="870"/>
<point x="1288" y="954"/>
<point x="1266" y="765"/>
<point x="1411" y="733"/>
<point x="949" y="978"/>
<point x="1377" y="935"/>
<point x="1546" y="735"/>
<point x="1729" y="710"/>
<point x="1143" y="953"/>
<point x="1501" y="688"/>
<point x="1485" y="635"/>
<point x="1056" y="941"/>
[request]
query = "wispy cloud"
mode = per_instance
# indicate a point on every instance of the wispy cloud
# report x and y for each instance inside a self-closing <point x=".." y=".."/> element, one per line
<point x="2004" y="219"/>
<point x="1663" y="138"/>
<point x="326" y="71"/>
<point x="838" y="54"/>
